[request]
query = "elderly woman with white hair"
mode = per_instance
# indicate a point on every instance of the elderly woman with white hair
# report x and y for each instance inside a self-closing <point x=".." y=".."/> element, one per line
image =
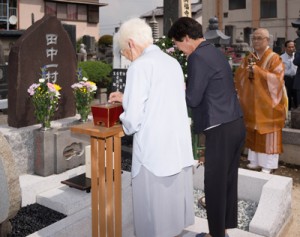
<point x="155" y="113"/>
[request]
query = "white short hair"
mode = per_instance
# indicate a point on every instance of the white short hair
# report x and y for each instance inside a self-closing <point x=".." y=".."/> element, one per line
<point x="135" y="29"/>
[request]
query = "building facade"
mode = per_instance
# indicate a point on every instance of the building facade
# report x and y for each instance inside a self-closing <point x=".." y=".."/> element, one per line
<point x="158" y="13"/>
<point x="80" y="17"/>
<point x="20" y="14"/>
<point x="238" y="18"/>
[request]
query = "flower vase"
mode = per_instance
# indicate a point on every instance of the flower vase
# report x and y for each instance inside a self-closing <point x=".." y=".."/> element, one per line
<point x="46" y="125"/>
<point x="84" y="112"/>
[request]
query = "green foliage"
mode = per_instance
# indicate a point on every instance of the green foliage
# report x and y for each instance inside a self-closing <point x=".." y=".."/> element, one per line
<point x="168" y="47"/>
<point x="105" y="40"/>
<point x="98" y="72"/>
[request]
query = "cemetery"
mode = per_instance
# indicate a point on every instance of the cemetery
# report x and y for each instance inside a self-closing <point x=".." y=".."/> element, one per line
<point x="78" y="164"/>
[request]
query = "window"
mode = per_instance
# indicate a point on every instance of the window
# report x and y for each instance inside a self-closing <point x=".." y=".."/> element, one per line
<point x="73" y="12"/>
<point x="268" y="8"/>
<point x="237" y="4"/>
<point x="61" y="11"/>
<point x="82" y="13"/>
<point x="93" y="14"/>
<point x="50" y="8"/>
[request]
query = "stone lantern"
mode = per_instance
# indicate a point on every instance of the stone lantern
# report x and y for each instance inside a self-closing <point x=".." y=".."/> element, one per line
<point x="214" y="35"/>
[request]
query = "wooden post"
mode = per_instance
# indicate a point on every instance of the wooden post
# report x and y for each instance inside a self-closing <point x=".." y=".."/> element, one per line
<point x="106" y="178"/>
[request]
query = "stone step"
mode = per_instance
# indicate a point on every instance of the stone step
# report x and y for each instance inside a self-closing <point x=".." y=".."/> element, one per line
<point x="76" y="204"/>
<point x="65" y="200"/>
<point x="32" y="185"/>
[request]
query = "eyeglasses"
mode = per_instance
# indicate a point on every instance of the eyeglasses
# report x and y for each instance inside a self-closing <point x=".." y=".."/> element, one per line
<point x="258" y="38"/>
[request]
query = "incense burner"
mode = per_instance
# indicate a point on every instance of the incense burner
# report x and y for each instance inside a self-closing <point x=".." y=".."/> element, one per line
<point x="106" y="115"/>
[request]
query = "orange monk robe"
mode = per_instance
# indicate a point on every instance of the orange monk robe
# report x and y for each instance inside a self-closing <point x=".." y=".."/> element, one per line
<point x="263" y="101"/>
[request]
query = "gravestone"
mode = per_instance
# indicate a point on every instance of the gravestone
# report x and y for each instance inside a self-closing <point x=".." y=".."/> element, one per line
<point x="90" y="44"/>
<point x="171" y="14"/>
<point x="2" y="59"/>
<point x="3" y="81"/>
<point x="10" y="191"/>
<point x="71" y="30"/>
<point x="45" y="43"/>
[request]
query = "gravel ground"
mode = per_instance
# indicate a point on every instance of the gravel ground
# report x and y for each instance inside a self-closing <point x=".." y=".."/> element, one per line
<point x="33" y="218"/>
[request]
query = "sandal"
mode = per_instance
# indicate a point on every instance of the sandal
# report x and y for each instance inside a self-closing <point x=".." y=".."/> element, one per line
<point x="201" y="234"/>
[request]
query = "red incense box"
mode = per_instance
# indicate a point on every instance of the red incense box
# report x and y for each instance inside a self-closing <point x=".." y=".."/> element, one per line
<point x="106" y="115"/>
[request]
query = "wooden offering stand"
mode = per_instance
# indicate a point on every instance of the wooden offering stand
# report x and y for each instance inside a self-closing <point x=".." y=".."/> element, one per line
<point x="105" y="178"/>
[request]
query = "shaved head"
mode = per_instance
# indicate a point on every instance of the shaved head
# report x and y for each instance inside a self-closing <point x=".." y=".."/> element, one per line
<point x="262" y="32"/>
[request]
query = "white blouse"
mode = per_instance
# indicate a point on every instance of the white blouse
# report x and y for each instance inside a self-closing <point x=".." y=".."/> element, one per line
<point x="155" y="112"/>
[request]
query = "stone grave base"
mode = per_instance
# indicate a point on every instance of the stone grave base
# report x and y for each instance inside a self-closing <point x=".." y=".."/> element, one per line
<point x="291" y="146"/>
<point x="29" y="143"/>
<point x="272" y="192"/>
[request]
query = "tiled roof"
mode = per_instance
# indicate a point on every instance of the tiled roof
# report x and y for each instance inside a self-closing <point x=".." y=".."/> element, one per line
<point x="159" y="11"/>
<point x="88" y="2"/>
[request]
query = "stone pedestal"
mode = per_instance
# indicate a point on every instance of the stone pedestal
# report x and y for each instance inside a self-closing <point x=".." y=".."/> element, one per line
<point x="295" y="118"/>
<point x="70" y="151"/>
<point x="44" y="152"/>
<point x="57" y="151"/>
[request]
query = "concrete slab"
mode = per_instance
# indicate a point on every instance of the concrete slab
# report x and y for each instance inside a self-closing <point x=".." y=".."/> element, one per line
<point x="291" y="148"/>
<point x="32" y="185"/>
<point x="64" y="199"/>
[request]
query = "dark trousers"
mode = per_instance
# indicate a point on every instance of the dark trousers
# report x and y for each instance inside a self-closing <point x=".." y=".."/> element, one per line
<point x="223" y="146"/>
<point x="291" y="93"/>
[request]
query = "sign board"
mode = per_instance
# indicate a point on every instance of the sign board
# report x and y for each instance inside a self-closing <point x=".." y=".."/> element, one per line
<point x="185" y="8"/>
<point x="119" y="79"/>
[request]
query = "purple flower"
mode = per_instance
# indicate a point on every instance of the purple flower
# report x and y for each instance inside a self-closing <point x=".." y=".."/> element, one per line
<point x="31" y="89"/>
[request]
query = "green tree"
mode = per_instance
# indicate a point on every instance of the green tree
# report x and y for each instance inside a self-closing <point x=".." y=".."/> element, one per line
<point x="98" y="72"/>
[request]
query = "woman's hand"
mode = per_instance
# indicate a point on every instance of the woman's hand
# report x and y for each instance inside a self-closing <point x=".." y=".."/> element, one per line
<point x="115" y="97"/>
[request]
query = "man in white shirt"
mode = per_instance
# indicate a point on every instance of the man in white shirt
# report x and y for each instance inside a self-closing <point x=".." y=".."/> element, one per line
<point x="290" y="72"/>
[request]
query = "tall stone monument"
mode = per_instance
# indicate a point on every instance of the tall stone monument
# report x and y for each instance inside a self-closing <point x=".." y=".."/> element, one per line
<point x="173" y="9"/>
<point x="45" y="43"/>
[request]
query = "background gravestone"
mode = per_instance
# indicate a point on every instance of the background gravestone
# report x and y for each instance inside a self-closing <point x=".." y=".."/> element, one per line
<point x="45" y="43"/>
<point x="171" y="14"/>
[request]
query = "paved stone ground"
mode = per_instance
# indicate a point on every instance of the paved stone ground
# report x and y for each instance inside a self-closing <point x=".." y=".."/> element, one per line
<point x="284" y="169"/>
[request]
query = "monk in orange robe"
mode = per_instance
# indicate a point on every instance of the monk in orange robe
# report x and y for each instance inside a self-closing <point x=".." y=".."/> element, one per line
<point x="260" y="85"/>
